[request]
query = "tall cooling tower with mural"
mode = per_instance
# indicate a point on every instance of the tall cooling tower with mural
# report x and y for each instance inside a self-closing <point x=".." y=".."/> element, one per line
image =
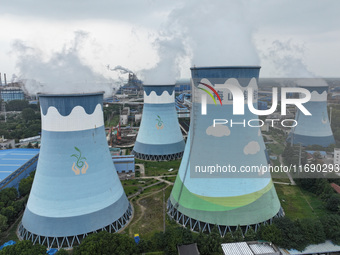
<point x="76" y="190"/>
<point x="159" y="137"/>
<point x="210" y="188"/>
<point x="314" y="128"/>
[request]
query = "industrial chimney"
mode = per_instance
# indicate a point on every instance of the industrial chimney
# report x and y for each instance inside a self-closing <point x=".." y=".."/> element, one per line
<point x="76" y="190"/>
<point x="159" y="137"/>
<point x="210" y="188"/>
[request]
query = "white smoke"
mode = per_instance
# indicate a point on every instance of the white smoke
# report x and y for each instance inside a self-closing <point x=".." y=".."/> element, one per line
<point x="167" y="70"/>
<point x="209" y="34"/>
<point x="63" y="72"/>
<point x="121" y="69"/>
<point x="287" y="59"/>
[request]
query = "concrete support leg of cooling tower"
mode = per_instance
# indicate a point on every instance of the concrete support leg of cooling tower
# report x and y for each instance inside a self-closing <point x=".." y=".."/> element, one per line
<point x="199" y="226"/>
<point x="157" y="157"/>
<point x="70" y="241"/>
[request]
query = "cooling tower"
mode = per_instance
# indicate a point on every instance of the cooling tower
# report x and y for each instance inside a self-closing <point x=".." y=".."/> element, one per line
<point x="159" y="137"/>
<point x="76" y="190"/>
<point x="315" y="128"/>
<point x="202" y="198"/>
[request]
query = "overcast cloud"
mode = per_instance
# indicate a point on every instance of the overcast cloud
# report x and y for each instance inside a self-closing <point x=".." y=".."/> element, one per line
<point x="285" y="37"/>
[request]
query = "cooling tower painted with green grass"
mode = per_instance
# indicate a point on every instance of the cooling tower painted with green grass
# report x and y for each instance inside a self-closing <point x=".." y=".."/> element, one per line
<point x="212" y="186"/>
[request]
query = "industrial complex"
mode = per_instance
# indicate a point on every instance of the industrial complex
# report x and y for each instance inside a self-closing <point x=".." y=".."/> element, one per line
<point x="92" y="153"/>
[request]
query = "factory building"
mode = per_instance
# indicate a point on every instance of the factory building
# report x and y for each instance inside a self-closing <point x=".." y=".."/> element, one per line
<point x="16" y="164"/>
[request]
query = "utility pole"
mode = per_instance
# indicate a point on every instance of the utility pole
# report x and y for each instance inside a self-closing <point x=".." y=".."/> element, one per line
<point x="299" y="159"/>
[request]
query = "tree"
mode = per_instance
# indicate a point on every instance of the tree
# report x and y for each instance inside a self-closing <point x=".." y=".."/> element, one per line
<point x="228" y="238"/>
<point x="238" y="235"/>
<point x="250" y="235"/>
<point x="16" y="105"/>
<point x="25" y="186"/>
<point x="292" y="235"/>
<point x="18" y="206"/>
<point x="214" y="241"/>
<point x="333" y="203"/>
<point x="24" y="248"/>
<point x="9" y="212"/>
<point x="3" y="223"/>
<point x="8" y="195"/>
<point x="331" y="226"/>
<point x="313" y="231"/>
<point x="202" y="244"/>
<point x="106" y="243"/>
<point x="271" y="233"/>
<point x="28" y="114"/>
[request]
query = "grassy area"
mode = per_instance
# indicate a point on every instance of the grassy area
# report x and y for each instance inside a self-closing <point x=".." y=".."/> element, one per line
<point x="298" y="203"/>
<point x="280" y="178"/>
<point x="159" y="168"/>
<point x="152" y="220"/>
<point x="132" y="186"/>
<point x="11" y="234"/>
<point x="170" y="178"/>
<point x="113" y="122"/>
<point x="154" y="188"/>
<point x="275" y="148"/>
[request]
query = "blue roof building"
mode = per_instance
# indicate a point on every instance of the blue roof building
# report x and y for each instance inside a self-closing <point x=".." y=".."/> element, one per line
<point x="16" y="164"/>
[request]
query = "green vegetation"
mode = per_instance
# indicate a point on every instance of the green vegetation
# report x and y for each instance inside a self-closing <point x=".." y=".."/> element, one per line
<point x="111" y="115"/>
<point x="299" y="204"/>
<point x="275" y="148"/>
<point x="106" y="243"/>
<point x="160" y="168"/>
<point x="24" y="248"/>
<point x="11" y="207"/>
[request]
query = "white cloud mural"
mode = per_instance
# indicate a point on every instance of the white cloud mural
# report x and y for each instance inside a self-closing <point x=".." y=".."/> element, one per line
<point x="218" y="131"/>
<point x="252" y="148"/>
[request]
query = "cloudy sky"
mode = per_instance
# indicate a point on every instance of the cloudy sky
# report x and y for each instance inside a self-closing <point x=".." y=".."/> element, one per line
<point x="160" y="40"/>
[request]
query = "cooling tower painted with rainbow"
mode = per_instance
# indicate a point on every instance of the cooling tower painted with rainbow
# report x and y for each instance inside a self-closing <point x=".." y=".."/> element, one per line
<point x="315" y="128"/>
<point x="205" y="192"/>
<point x="76" y="190"/>
<point x="159" y="137"/>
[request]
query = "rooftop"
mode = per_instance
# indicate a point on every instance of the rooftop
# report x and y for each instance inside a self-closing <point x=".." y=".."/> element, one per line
<point x="12" y="159"/>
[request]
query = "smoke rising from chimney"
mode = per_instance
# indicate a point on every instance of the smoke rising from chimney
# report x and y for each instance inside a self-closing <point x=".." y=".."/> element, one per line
<point x="209" y="34"/>
<point x="286" y="57"/>
<point x="64" y="72"/>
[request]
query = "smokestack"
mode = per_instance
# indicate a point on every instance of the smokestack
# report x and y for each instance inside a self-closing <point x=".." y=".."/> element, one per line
<point x="205" y="192"/>
<point x="159" y="137"/>
<point x="76" y="189"/>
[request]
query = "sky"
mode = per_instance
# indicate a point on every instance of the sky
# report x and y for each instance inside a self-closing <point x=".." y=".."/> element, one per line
<point x="81" y="42"/>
